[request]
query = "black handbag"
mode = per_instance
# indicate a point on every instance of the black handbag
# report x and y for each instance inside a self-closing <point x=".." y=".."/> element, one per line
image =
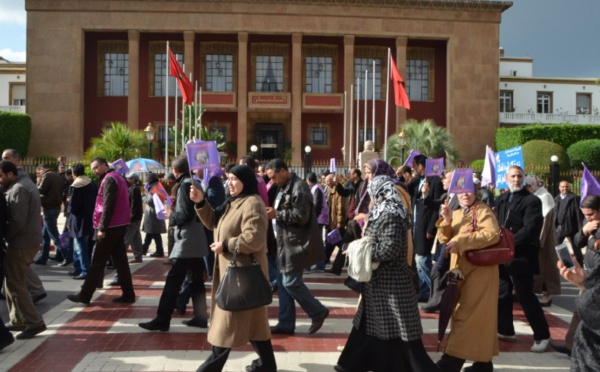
<point x="243" y="287"/>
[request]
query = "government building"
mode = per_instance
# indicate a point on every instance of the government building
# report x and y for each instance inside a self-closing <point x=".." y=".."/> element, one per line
<point x="276" y="74"/>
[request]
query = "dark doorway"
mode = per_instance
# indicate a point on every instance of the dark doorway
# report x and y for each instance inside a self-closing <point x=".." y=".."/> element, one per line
<point x="269" y="139"/>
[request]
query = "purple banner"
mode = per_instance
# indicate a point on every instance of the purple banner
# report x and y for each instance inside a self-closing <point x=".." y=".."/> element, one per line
<point x="434" y="167"/>
<point x="462" y="181"/>
<point x="202" y="155"/>
<point x="411" y="157"/>
<point x="334" y="237"/>
<point x="120" y="166"/>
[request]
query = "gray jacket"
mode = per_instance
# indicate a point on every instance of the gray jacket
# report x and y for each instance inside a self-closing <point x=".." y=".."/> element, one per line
<point x="24" y="211"/>
<point x="190" y="239"/>
<point x="299" y="241"/>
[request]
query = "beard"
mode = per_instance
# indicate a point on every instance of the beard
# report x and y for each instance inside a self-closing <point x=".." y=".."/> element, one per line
<point x="515" y="188"/>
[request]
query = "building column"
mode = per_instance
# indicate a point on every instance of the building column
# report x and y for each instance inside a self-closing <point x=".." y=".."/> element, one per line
<point x="350" y="140"/>
<point x="188" y="52"/>
<point x="242" y="95"/>
<point x="296" y="134"/>
<point x="401" y="57"/>
<point x="133" y="98"/>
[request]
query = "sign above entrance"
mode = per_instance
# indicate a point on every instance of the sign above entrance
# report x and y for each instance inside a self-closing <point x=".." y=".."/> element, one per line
<point x="323" y="101"/>
<point x="269" y="100"/>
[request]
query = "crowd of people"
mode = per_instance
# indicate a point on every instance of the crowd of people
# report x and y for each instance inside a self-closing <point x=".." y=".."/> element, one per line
<point x="417" y="232"/>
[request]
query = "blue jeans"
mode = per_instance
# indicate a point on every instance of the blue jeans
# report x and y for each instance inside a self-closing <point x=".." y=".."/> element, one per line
<point x="50" y="231"/>
<point x="81" y="257"/>
<point x="424" y="270"/>
<point x="292" y="289"/>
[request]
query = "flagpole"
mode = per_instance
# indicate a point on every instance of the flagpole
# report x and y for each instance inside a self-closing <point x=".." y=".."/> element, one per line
<point x="387" y="107"/>
<point x="200" y="109"/>
<point x="196" y="109"/>
<point x="344" y="147"/>
<point x="366" y="99"/>
<point x="167" y="64"/>
<point x="350" y="157"/>
<point x="357" y="115"/>
<point x="373" y="124"/>
<point x="176" y="108"/>
<point x="191" y="129"/>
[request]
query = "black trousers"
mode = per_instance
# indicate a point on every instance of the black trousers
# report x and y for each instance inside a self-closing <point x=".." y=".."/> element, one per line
<point x="175" y="278"/>
<point x="523" y="285"/>
<point x="113" y="246"/>
<point x="218" y="358"/>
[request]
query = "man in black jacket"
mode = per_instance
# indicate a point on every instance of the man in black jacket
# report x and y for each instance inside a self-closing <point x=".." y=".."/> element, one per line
<point x="521" y="212"/>
<point x="568" y="217"/>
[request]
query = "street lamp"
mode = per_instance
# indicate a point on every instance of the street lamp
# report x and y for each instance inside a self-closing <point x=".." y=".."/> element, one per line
<point x="554" y="175"/>
<point x="402" y="142"/>
<point x="150" y="137"/>
<point x="307" y="160"/>
<point x="253" y="149"/>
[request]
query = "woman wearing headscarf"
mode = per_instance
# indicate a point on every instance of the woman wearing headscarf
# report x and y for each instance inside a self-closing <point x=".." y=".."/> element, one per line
<point x="152" y="226"/>
<point x="386" y="332"/>
<point x="473" y="334"/>
<point x="240" y="224"/>
<point x="548" y="281"/>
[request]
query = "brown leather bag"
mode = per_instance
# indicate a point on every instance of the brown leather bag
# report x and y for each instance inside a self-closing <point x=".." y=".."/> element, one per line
<point x="496" y="254"/>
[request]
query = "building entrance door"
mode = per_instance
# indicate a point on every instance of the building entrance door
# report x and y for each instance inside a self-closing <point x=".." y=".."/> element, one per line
<point x="269" y="137"/>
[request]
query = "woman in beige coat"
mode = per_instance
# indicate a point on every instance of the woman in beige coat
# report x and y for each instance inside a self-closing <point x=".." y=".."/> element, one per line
<point x="473" y="334"/>
<point x="240" y="224"/>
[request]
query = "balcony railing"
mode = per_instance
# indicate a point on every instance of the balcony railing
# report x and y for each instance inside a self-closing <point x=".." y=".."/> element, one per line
<point x="15" y="109"/>
<point x="514" y="118"/>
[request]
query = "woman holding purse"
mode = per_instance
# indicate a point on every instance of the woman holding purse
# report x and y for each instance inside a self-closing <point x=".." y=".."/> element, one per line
<point x="240" y="224"/>
<point x="474" y="319"/>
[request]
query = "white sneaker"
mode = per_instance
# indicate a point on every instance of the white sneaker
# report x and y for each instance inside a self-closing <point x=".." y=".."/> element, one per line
<point x="540" y="346"/>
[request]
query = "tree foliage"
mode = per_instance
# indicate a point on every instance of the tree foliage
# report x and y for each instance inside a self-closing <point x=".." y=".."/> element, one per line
<point x="586" y="151"/>
<point x="117" y="142"/>
<point x="425" y="137"/>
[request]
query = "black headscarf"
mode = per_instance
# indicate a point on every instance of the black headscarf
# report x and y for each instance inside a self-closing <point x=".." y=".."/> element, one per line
<point x="248" y="178"/>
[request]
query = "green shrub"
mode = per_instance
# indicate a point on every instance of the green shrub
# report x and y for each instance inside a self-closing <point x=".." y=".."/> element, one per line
<point x="563" y="134"/>
<point x="586" y="151"/>
<point x="15" y="132"/>
<point x="537" y="153"/>
<point x="477" y="165"/>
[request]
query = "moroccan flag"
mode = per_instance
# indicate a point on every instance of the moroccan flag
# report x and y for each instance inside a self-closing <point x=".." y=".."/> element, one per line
<point x="185" y="85"/>
<point x="589" y="184"/>
<point x="400" y="95"/>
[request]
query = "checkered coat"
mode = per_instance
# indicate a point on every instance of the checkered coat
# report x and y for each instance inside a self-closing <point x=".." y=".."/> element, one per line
<point x="389" y="302"/>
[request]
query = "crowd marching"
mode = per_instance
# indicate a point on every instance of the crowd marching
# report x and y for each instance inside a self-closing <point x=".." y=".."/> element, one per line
<point x="406" y="237"/>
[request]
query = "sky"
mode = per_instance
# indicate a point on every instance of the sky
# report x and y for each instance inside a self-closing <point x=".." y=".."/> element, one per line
<point x="560" y="35"/>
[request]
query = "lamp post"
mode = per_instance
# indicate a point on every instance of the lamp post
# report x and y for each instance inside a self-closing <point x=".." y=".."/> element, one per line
<point x="150" y="137"/>
<point x="554" y="175"/>
<point x="253" y="150"/>
<point x="402" y="142"/>
<point x="307" y="160"/>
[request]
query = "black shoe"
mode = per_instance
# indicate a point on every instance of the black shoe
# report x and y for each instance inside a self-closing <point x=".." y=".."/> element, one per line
<point x="563" y="349"/>
<point x="37" y="298"/>
<point x="334" y="272"/>
<point x="155" y="325"/>
<point x="124" y="299"/>
<point x="318" y="323"/>
<point x="77" y="297"/>
<point x="430" y="309"/>
<point x="338" y="368"/>
<point x="156" y="254"/>
<point x="73" y="273"/>
<point x="40" y="261"/>
<point x="80" y="277"/>
<point x="31" y="332"/>
<point x="256" y="366"/>
<point x="14" y="328"/>
<point x="275" y="330"/>
<point x="180" y="310"/>
<point x="9" y="339"/>
<point x="65" y="263"/>
<point x="195" y="322"/>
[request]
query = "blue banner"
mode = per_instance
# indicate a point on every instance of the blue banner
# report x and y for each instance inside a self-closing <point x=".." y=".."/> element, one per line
<point x="504" y="160"/>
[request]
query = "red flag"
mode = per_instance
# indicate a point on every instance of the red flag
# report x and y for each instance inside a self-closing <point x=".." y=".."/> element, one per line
<point x="185" y="85"/>
<point x="400" y="95"/>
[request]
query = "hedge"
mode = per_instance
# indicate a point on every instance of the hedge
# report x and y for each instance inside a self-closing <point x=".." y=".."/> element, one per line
<point x="586" y="151"/>
<point x="562" y="134"/>
<point x="15" y="132"/>
<point x="537" y="153"/>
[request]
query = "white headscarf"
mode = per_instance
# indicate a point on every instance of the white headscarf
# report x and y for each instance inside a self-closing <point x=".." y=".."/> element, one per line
<point x="539" y="191"/>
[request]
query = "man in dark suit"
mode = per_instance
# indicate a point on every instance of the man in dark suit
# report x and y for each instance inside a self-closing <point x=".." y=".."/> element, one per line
<point x="521" y="212"/>
<point x="567" y="217"/>
<point x="425" y="194"/>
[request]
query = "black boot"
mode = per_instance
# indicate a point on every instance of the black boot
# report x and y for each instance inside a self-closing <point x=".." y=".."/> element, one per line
<point x="448" y="363"/>
<point x="480" y="367"/>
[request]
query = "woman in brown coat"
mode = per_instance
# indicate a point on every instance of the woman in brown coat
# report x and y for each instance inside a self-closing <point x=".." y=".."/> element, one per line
<point x="473" y="334"/>
<point x="240" y="223"/>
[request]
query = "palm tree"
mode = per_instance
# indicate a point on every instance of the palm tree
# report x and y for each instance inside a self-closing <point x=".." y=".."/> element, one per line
<point x="117" y="142"/>
<point x="425" y="137"/>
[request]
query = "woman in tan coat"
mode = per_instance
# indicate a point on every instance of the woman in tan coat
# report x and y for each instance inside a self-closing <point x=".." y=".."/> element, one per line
<point x="240" y="224"/>
<point x="473" y="334"/>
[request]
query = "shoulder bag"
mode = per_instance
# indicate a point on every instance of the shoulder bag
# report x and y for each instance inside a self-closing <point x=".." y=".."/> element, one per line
<point x="496" y="254"/>
<point x="243" y="287"/>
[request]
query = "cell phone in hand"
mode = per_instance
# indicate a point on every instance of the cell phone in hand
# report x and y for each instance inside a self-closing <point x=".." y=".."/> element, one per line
<point x="564" y="255"/>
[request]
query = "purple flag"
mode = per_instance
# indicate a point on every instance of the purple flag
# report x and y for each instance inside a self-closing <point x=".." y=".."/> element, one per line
<point x="411" y="157"/>
<point x="202" y="154"/>
<point x="434" y="167"/>
<point x="332" y="165"/>
<point x="120" y="166"/>
<point x="488" y="175"/>
<point x="334" y="237"/>
<point x="159" y="207"/>
<point x="462" y="181"/>
<point x="589" y="184"/>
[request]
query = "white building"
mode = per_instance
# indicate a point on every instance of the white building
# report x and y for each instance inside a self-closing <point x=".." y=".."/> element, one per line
<point x="12" y="86"/>
<point x="525" y="99"/>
